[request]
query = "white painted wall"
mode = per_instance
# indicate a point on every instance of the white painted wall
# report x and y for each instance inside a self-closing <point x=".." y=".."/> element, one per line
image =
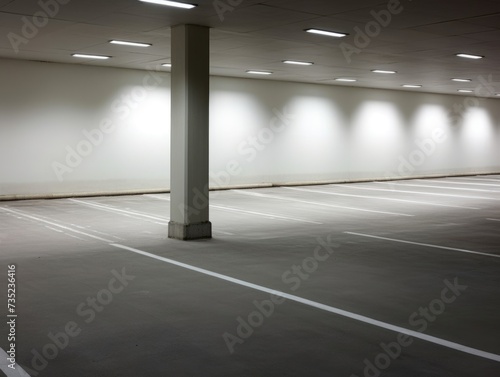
<point x="46" y="111"/>
<point x="343" y="134"/>
<point x="261" y="131"/>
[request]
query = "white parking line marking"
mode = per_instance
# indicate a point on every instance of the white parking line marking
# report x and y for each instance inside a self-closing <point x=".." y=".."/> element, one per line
<point x="435" y="187"/>
<point x="377" y="198"/>
<point x="477" y="179"/>
<point x="22" y="214"/>
<point x="54" y="229"/>
<point x="458" y="183"/>
<point x="9" y="372"/>
<point x="72" y="236"/>
<point x="66" y="234"/>
<point x="101" y="233"/>
<point x="317" y="305"/>
<point x="269" y="215"/>
<point x="318" y="204"/>
<point x="166" y="198"/>
<point x="422" y="193"/>
<point x="423" y="244"/>
<point x="164" y="220"/>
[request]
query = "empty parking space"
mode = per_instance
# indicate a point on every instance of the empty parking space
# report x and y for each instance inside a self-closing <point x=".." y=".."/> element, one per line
<point x="328" y="280"/>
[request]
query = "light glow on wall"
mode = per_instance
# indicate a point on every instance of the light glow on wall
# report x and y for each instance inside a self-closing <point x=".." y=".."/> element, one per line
<point x="377" y="132"/>
<point x="427" y="118"/>
<point x="335" y="133"/>
<point x="312" y="138"/>
<point x="431" y="136"/>
<point x="478" y="138"/>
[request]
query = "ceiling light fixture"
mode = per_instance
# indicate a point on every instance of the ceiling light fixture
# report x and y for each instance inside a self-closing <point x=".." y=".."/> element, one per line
<point x="297" y="62"/>
<point x="383" y="71"/>
<point x="334" y="34"/>
<point x="86" y="56"/>
<point x="411" y="86"/>
<point x="461" y="80"/>
<point x="126" y="43"/>
<point x="168" y="65"/>
<point x="259" y="72"/>
<point x="465" y="91"/>
<point x="469" y="56"/>
<point x="175" y="4"/>
<point x="346" y="80"/>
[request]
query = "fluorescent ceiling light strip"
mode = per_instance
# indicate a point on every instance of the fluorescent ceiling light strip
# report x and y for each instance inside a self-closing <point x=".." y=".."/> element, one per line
<point x="86" y="56"/>
<point x="383" y="71"/>
<point x="461" y="80"/>
<point x="469" y="56"/>
<point x="334" y="34"/>
<point x="135" y="44"/>
<point x="259" y="72"/>
<point x="346" y="80"/>
<point x="168" y="65"/>
<point x="175" y="4"/>
<point x="411" y="86"/>
<point x="297" y="62"/>
<point x="465" y="90"/>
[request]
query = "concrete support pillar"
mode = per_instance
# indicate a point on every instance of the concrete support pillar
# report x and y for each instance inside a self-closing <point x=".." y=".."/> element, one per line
<point x="189" y="211"/>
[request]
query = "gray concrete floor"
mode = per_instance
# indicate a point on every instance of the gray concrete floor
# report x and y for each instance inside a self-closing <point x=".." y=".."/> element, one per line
<point x="170" y="319"/>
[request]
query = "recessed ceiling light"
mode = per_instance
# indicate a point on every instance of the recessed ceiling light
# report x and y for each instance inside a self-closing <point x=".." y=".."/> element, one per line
<point x="134" y="44"/>
<point x="168" y="65"/>
<point x="461" y="80"/>
<point x="383" y="71"/>
<point x="334" y="34"/>
<point x="297" y="62"/>
<point x="465" y="91"/>
<point x="85" y="56"/>
<point x="259" y="72"/>
<point x="346" y="80"/>
<point x="411" y="86"/>
<point x="498" y="94"/>
<point x="469" y="56"/>
<point x="175" y="4"/>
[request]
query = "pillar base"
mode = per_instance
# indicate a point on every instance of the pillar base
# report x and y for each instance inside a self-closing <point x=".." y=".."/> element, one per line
<point x="189" y="232"/>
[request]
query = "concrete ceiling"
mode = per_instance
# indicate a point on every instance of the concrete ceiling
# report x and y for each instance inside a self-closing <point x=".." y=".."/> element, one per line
<point x="420" y="42"/>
